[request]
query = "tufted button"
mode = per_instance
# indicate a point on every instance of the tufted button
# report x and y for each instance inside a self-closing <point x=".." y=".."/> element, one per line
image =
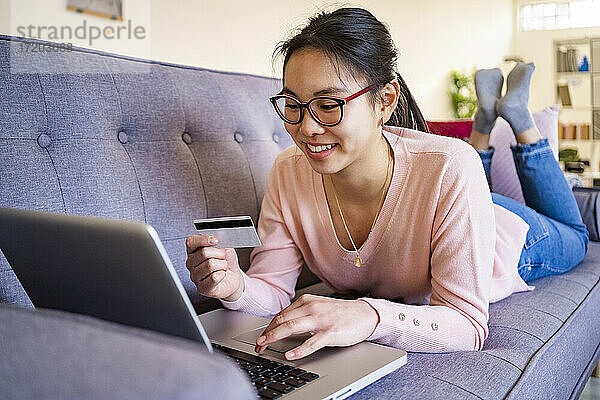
<point x="276" y="138"/>
<point x="528" y="268"/>
<point x="238" y="137"/>
<point x="401" y="316"/>
<point x="416" y="322"/>
<point x="43" y="140"/>
<point x="122" y="136"/>
<point x="434" y="326"/>
<point x="187" y="138"/>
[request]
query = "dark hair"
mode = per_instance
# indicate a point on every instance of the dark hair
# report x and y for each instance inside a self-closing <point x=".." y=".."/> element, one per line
<point x="354" y="38"/>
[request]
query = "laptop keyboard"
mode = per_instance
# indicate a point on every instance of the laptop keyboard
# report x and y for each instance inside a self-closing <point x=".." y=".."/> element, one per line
<point x="270" y="378"/>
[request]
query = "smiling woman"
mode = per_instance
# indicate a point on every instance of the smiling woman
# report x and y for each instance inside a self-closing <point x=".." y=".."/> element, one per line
<point x="389" y="211"/>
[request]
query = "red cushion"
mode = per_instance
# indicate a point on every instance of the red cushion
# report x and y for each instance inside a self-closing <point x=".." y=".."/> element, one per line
<point x="460" y="128"/>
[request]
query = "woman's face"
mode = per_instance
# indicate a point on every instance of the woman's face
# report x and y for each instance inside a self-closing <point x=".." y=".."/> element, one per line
<point x="309" y="73"/>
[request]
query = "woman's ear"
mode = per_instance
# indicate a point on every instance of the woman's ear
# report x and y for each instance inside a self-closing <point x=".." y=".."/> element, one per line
<point x="390" y="95"/>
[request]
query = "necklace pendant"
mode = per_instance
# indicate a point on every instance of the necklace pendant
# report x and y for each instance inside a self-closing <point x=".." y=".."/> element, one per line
<point x="357" y="261"/>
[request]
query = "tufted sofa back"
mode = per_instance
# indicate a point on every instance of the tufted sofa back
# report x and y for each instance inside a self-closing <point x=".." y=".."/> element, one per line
<point x="90" y="133"/>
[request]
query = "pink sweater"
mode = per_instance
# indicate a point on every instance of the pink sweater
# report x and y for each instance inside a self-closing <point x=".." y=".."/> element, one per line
<point x="440" y="248"/>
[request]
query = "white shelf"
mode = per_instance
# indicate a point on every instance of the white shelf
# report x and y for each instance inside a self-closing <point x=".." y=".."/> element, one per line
<point x="589" y="174"/>
<point x="584" y="91"/>
<point x="574" y="41"/>
<point x="567" y="108"/>
<point x="563" y="73"/>
<point x="578" y="141"/>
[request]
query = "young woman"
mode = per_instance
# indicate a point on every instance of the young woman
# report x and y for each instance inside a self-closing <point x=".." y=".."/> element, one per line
<point x="401" y="217"/>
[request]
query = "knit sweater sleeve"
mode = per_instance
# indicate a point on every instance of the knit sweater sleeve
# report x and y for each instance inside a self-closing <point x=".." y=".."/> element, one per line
<point x="461" y="261"/>
<point x="269" y="283"/>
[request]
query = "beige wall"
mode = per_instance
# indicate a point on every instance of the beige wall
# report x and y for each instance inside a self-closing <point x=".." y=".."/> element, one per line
<point x="433" y="36"/>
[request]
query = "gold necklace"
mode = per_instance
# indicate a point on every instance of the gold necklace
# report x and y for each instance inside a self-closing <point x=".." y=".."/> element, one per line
<point x="357" y="259"/>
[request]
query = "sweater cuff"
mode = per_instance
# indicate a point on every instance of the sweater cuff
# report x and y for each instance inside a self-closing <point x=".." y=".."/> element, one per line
<point x="388" y="318"/>
<point x="247" y="301"/>
<point x="243" y="302"/>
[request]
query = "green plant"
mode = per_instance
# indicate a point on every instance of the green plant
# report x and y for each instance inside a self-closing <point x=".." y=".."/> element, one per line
<point x="462" y="93"/>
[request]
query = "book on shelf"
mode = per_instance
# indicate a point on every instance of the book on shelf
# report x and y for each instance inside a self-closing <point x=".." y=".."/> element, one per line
<point x="597" y="124"/>
<point x="564" y="94"/>
<point x="572" y="59"/>
<point x="573" y="131"/>
<point x="561" y="60"/>
<point x="584" y="132"/>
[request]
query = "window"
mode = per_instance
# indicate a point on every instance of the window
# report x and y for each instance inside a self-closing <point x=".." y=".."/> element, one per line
<point x="559" y="15"/>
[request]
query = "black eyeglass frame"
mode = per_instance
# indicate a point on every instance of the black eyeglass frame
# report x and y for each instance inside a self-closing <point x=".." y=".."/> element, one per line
<point x="340" y="100"/>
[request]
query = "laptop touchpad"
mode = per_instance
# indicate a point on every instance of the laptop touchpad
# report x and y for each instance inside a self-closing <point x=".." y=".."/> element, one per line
<point x="281" y="346"/>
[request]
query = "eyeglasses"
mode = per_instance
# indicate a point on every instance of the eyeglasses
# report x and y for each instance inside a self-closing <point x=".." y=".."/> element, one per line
<point x="326" y="110"/>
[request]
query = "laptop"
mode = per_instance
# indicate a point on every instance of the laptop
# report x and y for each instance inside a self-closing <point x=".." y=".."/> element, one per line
<point x="119" y="271"/>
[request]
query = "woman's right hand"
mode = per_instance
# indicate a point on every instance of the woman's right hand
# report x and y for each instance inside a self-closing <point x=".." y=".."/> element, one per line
<point x="215" y="271"/>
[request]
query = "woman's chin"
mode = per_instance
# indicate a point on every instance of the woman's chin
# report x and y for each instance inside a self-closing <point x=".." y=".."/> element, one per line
<point x="321" y="169"/>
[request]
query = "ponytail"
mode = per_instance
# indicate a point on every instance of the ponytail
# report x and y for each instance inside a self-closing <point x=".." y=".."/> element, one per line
<point x="407" y="114"/>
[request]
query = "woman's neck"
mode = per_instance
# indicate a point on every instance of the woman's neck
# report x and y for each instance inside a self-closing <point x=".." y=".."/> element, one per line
<point x="363" y="184"/>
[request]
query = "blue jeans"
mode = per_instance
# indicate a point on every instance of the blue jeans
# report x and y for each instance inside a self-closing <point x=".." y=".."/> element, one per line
<point x="557" y="239"/>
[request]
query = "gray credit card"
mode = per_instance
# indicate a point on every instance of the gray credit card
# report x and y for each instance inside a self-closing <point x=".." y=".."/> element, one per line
<point x="232" y="232"/>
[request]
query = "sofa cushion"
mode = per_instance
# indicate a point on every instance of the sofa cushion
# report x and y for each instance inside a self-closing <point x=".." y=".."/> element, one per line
<point x="460" y="128"/>
<point x="55" y="355"/>
<point x="588" y="201"/>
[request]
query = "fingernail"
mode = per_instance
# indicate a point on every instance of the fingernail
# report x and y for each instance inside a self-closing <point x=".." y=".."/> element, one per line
<point x="214" y="240"/>
<point x="289" y="355"/>
<point x="260" y="340"/>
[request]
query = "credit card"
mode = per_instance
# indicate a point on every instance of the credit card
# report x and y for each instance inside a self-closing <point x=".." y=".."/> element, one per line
<point x="232" y="232"/>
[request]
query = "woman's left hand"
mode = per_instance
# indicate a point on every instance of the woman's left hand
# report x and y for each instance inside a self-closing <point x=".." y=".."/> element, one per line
<point x="331" y="322"/>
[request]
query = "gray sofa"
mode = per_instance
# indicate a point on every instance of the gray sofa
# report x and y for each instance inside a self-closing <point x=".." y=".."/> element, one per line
<point x="85" y="132"/>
